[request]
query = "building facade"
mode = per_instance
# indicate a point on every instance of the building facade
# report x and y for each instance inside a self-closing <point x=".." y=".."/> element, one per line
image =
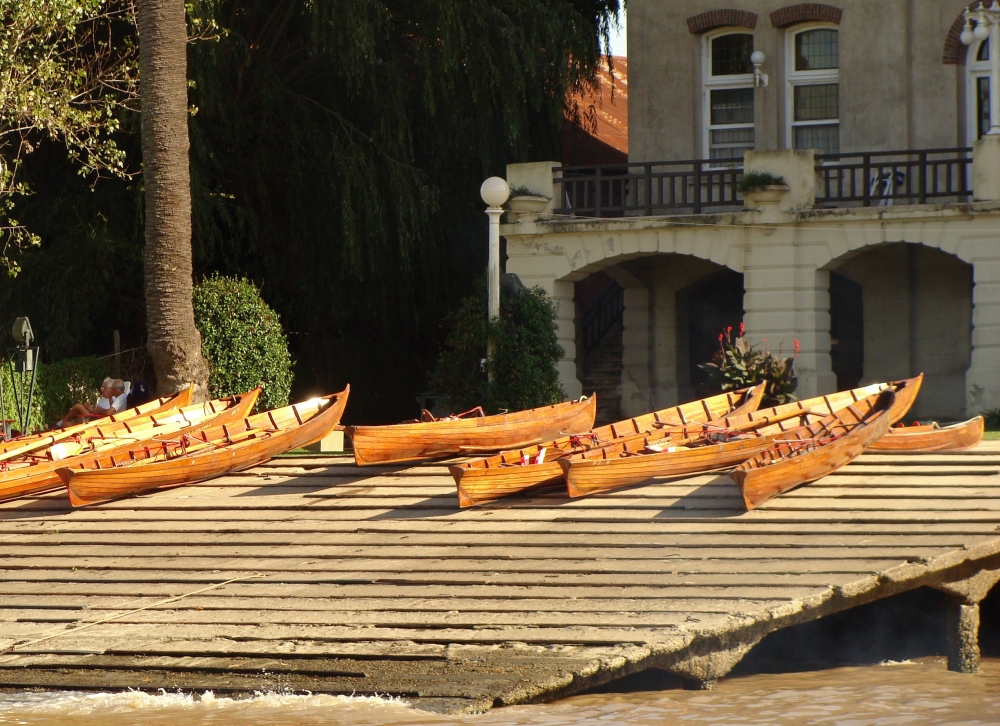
<point x="878" y="251"/>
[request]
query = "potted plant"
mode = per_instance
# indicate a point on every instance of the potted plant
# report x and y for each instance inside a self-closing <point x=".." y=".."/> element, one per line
<point x="525" y="201"/>
<point x="761" y="187"/>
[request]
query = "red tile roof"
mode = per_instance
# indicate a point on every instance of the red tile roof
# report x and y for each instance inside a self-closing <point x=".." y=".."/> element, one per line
<point x="602" y="135"/>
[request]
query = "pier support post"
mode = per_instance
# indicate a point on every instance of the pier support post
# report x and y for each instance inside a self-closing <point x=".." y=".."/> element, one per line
<point x="702" y="671"/>
<point x="963" y="637"/>
<point x="963" y="618"/>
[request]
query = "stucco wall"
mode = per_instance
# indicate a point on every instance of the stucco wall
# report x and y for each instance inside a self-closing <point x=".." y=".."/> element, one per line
<point x="895" y="91"/>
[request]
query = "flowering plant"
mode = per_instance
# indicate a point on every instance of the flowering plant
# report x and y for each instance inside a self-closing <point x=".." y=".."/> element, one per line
<point x="737" y="364"/>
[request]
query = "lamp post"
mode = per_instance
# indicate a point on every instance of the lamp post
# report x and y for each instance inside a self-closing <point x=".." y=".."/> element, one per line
<point x="987" y="26"/>
<point x="494" y="192"/>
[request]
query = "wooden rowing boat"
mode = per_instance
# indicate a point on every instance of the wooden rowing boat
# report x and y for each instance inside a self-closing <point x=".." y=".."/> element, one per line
<point x="36" y="472"/>
<point x="906" y="392"/>
<point x="684" y="451"/>
<point x="203" y="453"/>
<point x="484" y="434"/>
<point x="518" y="470"/>
<point x="813" y="451"/>
<point x="932" y="437"/>
<point x="32" y="442"/>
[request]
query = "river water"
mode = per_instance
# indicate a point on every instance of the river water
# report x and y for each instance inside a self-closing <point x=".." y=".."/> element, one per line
<point x="920" y="691"/>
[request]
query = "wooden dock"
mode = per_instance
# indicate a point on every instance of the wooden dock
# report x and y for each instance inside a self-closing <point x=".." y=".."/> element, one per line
<point x="312" y="574"/>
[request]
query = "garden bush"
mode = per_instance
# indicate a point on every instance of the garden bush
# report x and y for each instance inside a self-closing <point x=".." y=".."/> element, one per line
<point x="737" y="364"/>
<point x="524" y="361"/>
<point x="242" y="340"/>
<point x="69" y="381"/>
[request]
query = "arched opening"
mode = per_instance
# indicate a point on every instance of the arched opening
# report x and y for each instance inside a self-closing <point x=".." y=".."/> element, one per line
<point x="900" y="309"/>
<point x="704" y="308"/>
<point x="645" y="324"/>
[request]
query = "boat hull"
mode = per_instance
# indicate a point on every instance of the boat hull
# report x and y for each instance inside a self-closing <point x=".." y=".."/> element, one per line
<point x="87" y="485"/>
<point x="918" y="439"/>
<point x="40" y="476"/>
<point x="486" y="480"/>
<point x="781" y="468"/>
<point x="434" y="439"/>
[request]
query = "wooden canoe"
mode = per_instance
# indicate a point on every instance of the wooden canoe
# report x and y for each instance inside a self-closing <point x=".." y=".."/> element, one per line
<point x="32" y="442"/>
<point x="200" y="454"/>
<point x="485" y="434"/>
<point x="518" y="470"/>
<point x="813" y="451"/>
<point x="631" y="461"/>
<point x="932" y="437"/>
<point x="36" y="473"/>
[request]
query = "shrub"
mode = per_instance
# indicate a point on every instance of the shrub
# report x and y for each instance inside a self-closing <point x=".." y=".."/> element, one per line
<point x="37" y="417"/>
<point x="523" y="363"/>
<point x="242" y="340"/>
<point x="69" y="381"/>
<point x="737" y="364"/>
<point x="757" y="181"/>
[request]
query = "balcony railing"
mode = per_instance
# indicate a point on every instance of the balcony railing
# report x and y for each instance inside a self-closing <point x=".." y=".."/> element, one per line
<point x="701" y="185"/>
<point x="885" y="178"/>
<point x="658" y="187"/>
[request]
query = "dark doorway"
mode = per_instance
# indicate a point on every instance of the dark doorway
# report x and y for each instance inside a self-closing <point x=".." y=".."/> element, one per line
<point x="847" y="331"/>
<point x="704" y="308"/>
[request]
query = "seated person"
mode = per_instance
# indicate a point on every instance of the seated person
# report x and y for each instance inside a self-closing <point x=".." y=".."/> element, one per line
<point x="113" y="399"/>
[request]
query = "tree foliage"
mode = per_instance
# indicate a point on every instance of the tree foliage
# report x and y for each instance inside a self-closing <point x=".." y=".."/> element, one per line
<point x="738" y="364"/>
<point x="242" y="340"/>
<point x="524" y="360"/>
<point x="337" y="152"/>
<point x="67" y="68"/>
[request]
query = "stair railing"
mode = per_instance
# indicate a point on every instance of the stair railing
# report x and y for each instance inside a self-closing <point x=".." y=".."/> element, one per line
<point x="601" y="316"/>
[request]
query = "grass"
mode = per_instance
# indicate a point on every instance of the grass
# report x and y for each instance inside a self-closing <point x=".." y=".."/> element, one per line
<point x="991" y="436"/>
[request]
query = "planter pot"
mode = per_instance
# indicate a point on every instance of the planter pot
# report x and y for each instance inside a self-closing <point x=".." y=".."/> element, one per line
<point x="527" y="204"/>
<point x="771" y="194"/>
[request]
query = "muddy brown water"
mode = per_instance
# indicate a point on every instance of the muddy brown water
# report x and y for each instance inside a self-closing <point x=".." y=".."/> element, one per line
<point x="920" y="691"/>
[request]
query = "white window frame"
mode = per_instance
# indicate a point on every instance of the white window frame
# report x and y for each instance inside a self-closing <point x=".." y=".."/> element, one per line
<point x="974" y="70"/>
<point x="795" y="78"/>
<point x="711" y="83"/>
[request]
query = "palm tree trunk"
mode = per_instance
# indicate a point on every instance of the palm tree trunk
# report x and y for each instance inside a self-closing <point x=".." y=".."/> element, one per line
<point x="174" y="342"/>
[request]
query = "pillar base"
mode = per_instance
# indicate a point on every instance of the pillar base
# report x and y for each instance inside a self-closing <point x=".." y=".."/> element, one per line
<point x="963" y="637"/>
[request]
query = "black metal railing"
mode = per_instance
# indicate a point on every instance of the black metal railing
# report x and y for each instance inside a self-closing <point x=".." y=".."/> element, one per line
<point x="888" y="177"/>
<point x="602" y="316"/>
<point x="647" y="189"/>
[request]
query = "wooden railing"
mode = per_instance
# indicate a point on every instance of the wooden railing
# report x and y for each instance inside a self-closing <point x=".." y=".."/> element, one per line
<point x="888" y="177"/>
<point x="647" y="189"/>
<point x="601" y="316"/>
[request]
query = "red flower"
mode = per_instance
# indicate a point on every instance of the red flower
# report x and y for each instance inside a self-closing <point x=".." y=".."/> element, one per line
<point x="720" y="337"/>
<point x="729" y="329"/>
<point x="796" y="341"/>
<point x="742" y="329"/>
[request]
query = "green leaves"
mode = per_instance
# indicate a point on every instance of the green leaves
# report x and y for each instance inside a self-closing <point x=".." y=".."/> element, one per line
<point x="524" y="361"/>
<point x="242" y="340"/>
<point x="737" y="364"/>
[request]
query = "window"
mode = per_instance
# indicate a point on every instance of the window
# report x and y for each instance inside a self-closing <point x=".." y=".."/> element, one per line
<point x="814" y="90"/>
<point x="729" y="97"/>
<point x="978" y="92"/>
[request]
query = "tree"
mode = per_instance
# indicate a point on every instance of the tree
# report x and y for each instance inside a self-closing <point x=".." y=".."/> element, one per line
<point x="174" y="342"/>
<point x="67" y="69"/>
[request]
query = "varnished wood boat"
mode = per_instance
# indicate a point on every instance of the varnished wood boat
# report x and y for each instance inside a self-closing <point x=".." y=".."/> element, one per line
<point x="813" y="451"/>
<point x="518" y="470"/>
<point x="32" y="442"/>
<point x="932" y="437"/>
<point x="638" y="459"/>
<point x="484" y="434"/>
<point x="36" y="472"/>
<point x="203" y="453"/>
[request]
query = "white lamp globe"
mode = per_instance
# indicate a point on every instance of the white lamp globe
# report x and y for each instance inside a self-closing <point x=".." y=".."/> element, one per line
<point x="494" y="191"/>
<point x="967" y="37"/>
<point x="982" y="31"/>
<point x="758" y="58"/>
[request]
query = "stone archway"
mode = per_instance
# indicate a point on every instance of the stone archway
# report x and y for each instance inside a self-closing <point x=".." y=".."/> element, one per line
<point x="915" y="316"/>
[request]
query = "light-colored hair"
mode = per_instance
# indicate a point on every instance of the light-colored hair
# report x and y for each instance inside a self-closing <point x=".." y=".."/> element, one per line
<point x="116" y="383"/>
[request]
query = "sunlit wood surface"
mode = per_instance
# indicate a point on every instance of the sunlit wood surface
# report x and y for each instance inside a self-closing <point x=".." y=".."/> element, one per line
<point x="374" y="581"/>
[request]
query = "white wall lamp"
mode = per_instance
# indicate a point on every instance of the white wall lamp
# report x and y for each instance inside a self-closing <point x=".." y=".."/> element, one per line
<point x="494" y="192"/>
<point x="987" y="26"/>
<point x="759" y="77"/>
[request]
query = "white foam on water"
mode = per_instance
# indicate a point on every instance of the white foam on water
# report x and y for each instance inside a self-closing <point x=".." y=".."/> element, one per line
<point x="69" y="703"/>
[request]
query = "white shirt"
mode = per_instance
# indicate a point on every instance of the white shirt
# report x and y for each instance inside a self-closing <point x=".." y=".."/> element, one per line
<point x="118" y="402"/>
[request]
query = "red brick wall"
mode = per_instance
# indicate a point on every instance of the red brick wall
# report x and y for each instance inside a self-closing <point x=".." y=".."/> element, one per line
<point x="704" y="22"/>
<point x="805" y="13"/>
<point x="954" y="52"/>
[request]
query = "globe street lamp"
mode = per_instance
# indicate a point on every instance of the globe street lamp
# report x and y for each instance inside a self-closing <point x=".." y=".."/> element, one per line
<point x="494" y="192"/>
<point x="987" y="26"/>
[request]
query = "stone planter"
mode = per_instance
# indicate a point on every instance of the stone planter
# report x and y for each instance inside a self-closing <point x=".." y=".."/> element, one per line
<point x="771" y="194"/>
<point x="527" y="204"/>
